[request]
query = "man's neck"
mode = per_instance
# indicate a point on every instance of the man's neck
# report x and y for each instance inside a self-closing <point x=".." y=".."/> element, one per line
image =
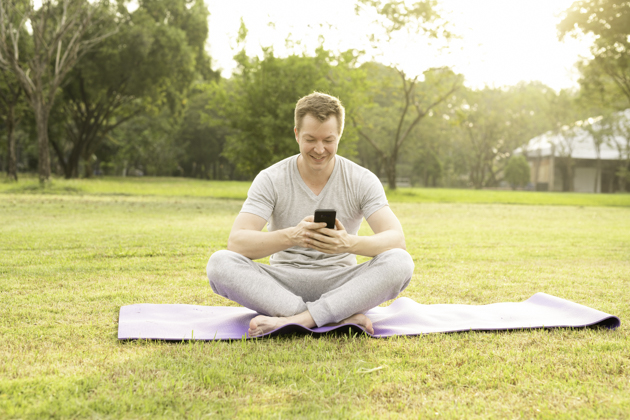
<point x="315" y="178"/>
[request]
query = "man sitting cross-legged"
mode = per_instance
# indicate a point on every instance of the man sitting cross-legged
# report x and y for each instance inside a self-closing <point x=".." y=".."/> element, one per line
<point x="313" y="278"/>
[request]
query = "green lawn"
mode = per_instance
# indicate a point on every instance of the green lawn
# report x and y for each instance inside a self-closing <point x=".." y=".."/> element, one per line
<point x="186" y="187"/>
<point x="71" y="257"/>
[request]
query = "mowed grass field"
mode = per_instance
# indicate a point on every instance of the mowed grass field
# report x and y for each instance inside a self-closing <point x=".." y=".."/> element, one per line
<point x="72" y="255"/>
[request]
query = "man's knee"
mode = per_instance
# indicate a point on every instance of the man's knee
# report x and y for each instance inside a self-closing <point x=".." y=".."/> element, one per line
<point x="219" y="264"/>
<point x="400" y="265"/>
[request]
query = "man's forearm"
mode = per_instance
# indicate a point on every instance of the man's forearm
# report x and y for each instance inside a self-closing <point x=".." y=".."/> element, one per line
<point x="256" y="244"/>
<point x="371" y="246"/>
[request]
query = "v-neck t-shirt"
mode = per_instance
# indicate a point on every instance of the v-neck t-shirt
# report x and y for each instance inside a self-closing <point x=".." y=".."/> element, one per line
<point x="281" y="197"/>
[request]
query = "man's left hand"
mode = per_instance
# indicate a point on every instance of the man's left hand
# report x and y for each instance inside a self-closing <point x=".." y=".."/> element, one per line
<point x="331" y="241"/>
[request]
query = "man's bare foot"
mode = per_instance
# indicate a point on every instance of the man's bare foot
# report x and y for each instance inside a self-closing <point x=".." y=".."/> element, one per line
<point x="262" y="324"/>
<point x="359" y="319"/>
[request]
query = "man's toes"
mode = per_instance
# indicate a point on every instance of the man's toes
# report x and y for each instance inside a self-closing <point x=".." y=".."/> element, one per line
<point x="254" y="333"/>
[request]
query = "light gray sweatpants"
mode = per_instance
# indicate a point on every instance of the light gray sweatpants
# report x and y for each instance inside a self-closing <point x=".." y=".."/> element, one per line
<point x="331" y="294"/>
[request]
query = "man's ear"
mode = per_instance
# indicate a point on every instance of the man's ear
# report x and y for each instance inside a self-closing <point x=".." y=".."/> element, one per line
<point x="296" y="133"/>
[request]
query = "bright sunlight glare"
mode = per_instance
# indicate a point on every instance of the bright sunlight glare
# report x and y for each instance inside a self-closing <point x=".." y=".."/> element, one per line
<point x="501" y="42"/>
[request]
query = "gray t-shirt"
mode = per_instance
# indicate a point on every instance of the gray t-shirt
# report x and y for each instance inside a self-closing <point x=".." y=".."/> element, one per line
<point x="280" y="196"/>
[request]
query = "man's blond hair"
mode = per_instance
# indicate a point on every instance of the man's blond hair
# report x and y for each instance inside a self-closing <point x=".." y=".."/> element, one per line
<point x="320" y="106"/>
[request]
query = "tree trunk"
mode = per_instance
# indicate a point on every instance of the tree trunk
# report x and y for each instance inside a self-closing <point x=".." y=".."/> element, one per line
<point x="12" y="158"/>
<point x="390" y="170"/>
<point x="571" y="175"/>
<point x="598" y="175"/>
<point x="60" y="159"/>
<point x="73" y="163"/>
<point x="41" y="119"/>
<point x="87" y="168"/>
<point x="478" y="174"/>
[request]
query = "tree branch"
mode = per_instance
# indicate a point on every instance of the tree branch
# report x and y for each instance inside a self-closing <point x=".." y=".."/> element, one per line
<point x="368" y="138"/>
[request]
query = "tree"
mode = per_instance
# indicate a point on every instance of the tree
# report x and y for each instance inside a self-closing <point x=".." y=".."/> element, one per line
<point x="565" y="113"/>
<point x="517" y="171"/>
<point x="416" y="98"/>
<point x="601" y="131"/>
<point x="608" y="22"/>
<point x="10" y="111"/>
<point x="150" y="61"/>
<point x="203" y="133"/>
<point x="59" y="41"/>
<point x="260" y="102"/>
<point x="613" y="129"/>
<point x="12" y="106"/>
<point x="492" y="122"/>
<point x="621" y="141"/>
<point x="154" y="149"/>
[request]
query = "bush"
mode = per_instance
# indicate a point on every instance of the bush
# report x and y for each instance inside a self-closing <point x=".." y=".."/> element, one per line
<point x="517" y="172"/>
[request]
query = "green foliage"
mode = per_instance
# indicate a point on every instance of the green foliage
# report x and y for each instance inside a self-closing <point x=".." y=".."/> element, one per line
<point x="203" y="133"/>
<point x="261" y="100"/>
<point x="400" y="14"/>
<point x="148" y="64"/>
<point x="13" y="107"/>
<point x="388" y="123"/>
<point x="429" y="168"/>
<point x="61" y="33"/>
<point x="413" y="100"/>
<point x="492" y="122"/>
<point x="607" y="21"/>
<point x="517" y="171"/>
<point x="148" y="146"/>
<point x="394" y="16"/>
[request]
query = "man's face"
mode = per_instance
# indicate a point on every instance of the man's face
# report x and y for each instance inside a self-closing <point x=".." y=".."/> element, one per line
<point x="318" y="142"/>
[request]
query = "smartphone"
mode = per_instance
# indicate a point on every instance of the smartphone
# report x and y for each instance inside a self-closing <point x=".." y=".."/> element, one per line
<point x="326" y="215"/>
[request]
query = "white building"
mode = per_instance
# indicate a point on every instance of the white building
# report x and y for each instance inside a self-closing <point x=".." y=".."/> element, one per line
<point x="568" y="161"/>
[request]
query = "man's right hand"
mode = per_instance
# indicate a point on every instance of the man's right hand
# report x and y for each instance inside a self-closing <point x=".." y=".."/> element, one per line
<point x="247" y="239"/>
<point x="300" y="235"/>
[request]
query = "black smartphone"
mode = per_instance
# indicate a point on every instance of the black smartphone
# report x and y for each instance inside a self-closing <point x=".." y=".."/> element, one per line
<point x="326" y="215"/>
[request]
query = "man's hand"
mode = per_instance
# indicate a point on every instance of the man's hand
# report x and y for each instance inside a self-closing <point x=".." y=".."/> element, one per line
<point x="330" y="241"/>
<point x="301" y="234"/>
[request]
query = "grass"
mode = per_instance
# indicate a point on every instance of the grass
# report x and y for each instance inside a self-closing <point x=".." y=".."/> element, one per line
<point x="131" y="186"/>
<point x="71" y="258"/>
<point x="186" y="187"/>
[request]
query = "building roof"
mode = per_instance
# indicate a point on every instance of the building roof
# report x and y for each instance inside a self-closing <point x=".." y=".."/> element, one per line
<point x="576" y="141"/>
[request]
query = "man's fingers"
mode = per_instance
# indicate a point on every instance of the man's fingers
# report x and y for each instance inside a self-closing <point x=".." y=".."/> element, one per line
<point x="319" y="246"/>
<point x="324" y="243"/>
<point x="338" y="225"/>
<point x="317" y="226"/>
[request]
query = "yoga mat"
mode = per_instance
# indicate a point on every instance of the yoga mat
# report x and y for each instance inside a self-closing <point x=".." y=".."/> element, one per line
<point x="403" y="317"/>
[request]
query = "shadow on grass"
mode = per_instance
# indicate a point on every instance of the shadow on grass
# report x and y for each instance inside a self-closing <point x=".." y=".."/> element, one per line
<point x="36" y="188"/>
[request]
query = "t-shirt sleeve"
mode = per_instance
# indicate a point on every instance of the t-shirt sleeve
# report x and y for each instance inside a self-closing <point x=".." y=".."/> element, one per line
<point x="373" y="196"/>
<point x="261" y="197"/>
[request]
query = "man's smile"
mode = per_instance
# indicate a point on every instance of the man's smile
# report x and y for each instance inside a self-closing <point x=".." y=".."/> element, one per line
<point x="316" y="159"/>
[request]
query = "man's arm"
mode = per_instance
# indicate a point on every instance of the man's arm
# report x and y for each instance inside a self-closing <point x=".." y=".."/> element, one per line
<point x="388" y="234"/>
<point x="247" y="239"/>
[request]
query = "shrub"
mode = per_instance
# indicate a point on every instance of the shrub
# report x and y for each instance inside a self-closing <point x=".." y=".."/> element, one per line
<point x="517" y="172"/>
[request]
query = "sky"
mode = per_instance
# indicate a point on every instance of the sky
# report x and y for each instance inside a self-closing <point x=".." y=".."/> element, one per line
<point x="501" y="42"/>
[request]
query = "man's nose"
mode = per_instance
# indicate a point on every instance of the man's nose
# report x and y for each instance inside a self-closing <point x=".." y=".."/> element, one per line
<point x="319" y="148"/>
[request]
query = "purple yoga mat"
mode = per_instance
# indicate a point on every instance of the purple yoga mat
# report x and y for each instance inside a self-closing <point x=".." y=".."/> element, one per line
<point x="403" y="317"/>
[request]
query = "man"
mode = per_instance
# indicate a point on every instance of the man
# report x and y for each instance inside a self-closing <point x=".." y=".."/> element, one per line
<point x="313" y="278"/>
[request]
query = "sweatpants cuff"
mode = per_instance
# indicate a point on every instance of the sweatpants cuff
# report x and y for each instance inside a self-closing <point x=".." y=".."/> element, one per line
<point x="321" y="313"/>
